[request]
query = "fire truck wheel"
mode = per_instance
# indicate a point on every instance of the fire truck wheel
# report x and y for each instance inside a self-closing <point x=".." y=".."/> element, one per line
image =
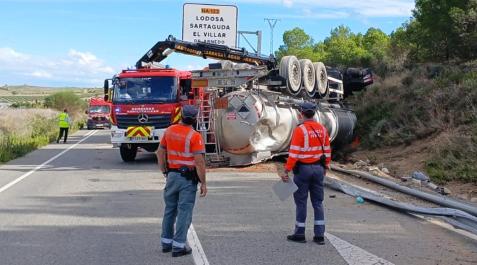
<point x="290" y="70"/>
<point x="321" y="80"/>
<point x="128" y="152"/>
<point x="308" y="78"/>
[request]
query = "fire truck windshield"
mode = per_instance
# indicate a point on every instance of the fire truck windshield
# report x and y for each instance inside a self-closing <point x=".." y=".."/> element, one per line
<point x="99" y="109"/>
<point x="145" y="90"/>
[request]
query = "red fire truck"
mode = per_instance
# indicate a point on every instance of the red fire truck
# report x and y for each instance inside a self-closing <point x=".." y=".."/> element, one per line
<point x="145" y="102"/>
<point x="98" y="114"/>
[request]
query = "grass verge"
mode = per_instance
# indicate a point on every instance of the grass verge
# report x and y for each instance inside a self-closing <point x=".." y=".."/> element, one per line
<point x="24" y="130"/>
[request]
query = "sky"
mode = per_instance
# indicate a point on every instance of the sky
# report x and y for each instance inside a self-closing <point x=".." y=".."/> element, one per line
<point x="79" y="43"/>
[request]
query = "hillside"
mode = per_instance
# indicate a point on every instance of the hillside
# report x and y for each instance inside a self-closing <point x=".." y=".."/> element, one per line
<point x="422" y="119"/>
<point x="27" y="95"/>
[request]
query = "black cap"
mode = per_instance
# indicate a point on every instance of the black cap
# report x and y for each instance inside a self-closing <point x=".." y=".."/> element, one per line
<point x="307" y="107"/>
<point x="189" y="111"/>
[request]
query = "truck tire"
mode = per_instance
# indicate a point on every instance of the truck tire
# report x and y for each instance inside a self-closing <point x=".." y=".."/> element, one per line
<point x="308" y="78"/>
<point x="321" y="83"/>
<point x="290" y="70"/>
<point x="226" y="64"/>
<point x="128" y="152"/>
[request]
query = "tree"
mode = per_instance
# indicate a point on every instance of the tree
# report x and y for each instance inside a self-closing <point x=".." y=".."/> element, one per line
<point x="465" y="24"/>
<point x="440" y="39"/>
<point x="344" y="48"/>
<point x="66" y="100"/>
<point x="298" y="43"/>
<point x="406" y="43"/>
<point x="376" y="42"/>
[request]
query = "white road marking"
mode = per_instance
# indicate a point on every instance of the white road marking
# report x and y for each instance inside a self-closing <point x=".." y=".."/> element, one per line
<point x="354" y="255"/>
<point x="446" y="226"/>
<point x="197" y="251"/>
<point x="22" y="177"/>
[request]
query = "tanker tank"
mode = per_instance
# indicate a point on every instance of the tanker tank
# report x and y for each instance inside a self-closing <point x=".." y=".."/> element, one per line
<point x="257" y="126"/>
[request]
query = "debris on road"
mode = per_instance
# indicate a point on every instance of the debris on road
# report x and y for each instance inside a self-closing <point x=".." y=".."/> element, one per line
<point x="419" y="176"/>
<point x="359" y="200"/>
<point x="458" y="218"/>
<point x="440" y="200"/>
<point x="361" y="164"/>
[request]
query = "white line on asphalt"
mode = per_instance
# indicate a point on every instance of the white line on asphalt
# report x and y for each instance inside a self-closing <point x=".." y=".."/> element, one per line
<point x="354" y="255"/>
<point x="197" y="251"/>
<point x="22" y="177"/>
<point x="446" y="226"/>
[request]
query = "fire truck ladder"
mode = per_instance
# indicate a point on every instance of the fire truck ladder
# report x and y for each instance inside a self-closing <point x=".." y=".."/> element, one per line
<point x="162" y="49"/>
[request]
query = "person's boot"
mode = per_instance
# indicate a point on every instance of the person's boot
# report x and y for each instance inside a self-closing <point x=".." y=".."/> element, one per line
<point x="166" y="248"/>
<point x="296" y="238"/>
<point x="179" y="252"/>
<point x="319" y="240"/>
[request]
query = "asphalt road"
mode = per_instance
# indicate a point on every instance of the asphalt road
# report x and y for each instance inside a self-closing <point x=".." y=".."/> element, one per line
<point x="86" y="206"/>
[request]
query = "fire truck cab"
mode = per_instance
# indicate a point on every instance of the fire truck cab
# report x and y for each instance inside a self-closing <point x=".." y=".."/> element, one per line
<point x="144" y="103"/>
<point x="99" y="112"/>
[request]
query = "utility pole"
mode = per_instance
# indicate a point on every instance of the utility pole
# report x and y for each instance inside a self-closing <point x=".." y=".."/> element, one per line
<point x="271" y="22"/>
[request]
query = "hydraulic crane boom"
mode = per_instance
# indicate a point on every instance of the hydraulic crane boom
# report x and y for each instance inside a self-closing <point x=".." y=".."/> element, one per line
<point x="205" y="50"/>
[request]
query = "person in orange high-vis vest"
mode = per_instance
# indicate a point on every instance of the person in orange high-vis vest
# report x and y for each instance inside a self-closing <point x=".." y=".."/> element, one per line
<point x="181" y="159"/>
<point x="308" y="157"/>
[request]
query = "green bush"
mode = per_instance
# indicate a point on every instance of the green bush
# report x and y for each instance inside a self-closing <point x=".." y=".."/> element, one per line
<point x="455" y="159"/>
<point x="66" y="100"/>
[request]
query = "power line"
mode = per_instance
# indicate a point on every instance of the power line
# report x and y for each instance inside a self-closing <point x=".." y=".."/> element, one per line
<point x="271" y="22"/>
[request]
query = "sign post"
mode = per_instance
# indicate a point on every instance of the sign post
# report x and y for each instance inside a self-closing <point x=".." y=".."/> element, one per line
<point x="216" y="24"/>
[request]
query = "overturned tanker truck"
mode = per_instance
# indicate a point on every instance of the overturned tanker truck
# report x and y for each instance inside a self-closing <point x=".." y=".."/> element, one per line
<point x="248" y="103"/>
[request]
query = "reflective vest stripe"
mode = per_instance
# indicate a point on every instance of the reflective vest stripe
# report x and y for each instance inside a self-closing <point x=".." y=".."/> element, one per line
<point x="305" y="136"/>
<point x="180" y="153"/>
<point x="316" y="148"/>
<point x="182" y="162"/>
<point x="187" y="141"/>
<point x="308" y="156"/>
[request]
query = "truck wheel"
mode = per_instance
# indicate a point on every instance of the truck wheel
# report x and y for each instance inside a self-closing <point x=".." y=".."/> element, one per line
<point x="128" y="152"/>
<point x="290" y="70"/>
<point x="321" y="80"/>
<point x="309" y="78"/>
<point x="226" y="64"/>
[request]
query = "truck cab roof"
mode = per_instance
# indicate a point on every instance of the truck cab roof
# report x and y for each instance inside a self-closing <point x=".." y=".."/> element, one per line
<point x="148" y="72"/>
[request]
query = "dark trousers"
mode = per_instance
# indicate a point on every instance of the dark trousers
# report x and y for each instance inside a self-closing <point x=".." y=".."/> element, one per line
<point x="309" y="179"/>
<point x="63" y="131"/>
